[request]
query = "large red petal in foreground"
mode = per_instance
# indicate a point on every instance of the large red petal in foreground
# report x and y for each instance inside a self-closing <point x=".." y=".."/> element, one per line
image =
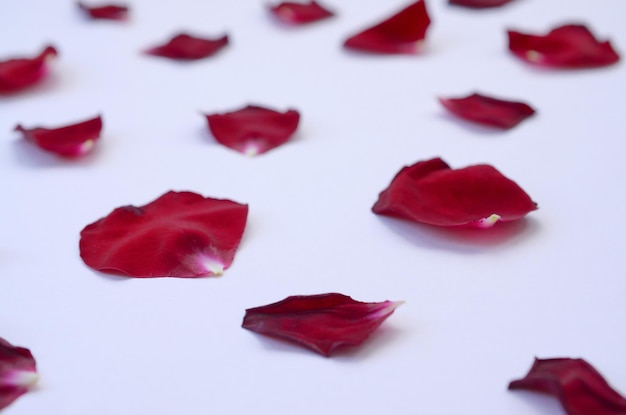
<point x="20" y="73"/>
<point x="574" y="382"/>
<point x="188" y="48"/>
<point x="253" y="130"/>
<point x="322" y="323"/>
<point x="300" y="13"/>
<point x="18" y="372"/>
<point x="431" y="192"/>
<point x="105" y="12"/>
<point x="479" y="4"/>
<point x="180" y="234"/>
<point x="569" y="46"/>
<point x="68" y="141"/>
<point x="402" y="33"/>
<point x="488" y="111"/>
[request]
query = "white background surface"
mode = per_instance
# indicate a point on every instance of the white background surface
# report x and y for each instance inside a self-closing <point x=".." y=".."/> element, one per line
<point x="480" y="305"/>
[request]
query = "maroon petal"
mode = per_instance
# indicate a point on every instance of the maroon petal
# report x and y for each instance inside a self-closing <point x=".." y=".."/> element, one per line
<point x="18" y="372"/>
<point x="488" y="111"/>
<point x="403" y="33"/>
<point x="300" y="13"/>
<point x="253" y="130"/>
<point x="180" y="234"/>
<point x="69" y="141"/>
<point x="321" y="322"/>
<point x="574" y="382"/>
<point x="431" y="192"/>
<point x="19" y="73"/>
<point x="106" y="12"/>
<point x="479" y="4"/>
<point x="569" y="46"/>
<point x="186" y="47"/>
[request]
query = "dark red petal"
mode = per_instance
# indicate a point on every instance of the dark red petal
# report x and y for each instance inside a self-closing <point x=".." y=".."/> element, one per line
<point x="69" y="141"/>
<point x="186" y="47"/>
<point x="430" y="192"/>
<point x="402" y="33"/>
<point x="479" y="4"/>
<point x="19" y="73"/>
<point x="321" y="322"/>
<point x="569" y="46"/>
<point x="253" y="130"/>
<point x="300" y="13"/>
<point x="107" y="12"/>
<point x="574" y="382"/>
<point x="180" y="234"/>
<point x="18" y="372"/>
<point x="489" y="111"/>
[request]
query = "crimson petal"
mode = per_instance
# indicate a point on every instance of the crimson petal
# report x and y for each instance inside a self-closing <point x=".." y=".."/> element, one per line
<point x="402" y="33"/>
<point x="106" y="12"/>
<point x="479" y="4"/>
<point x="488" y="111"/>
<point x="569" y="46"/>
<point x="180" y="234"/>
<point x="20" y="73"/>
<point x="322" y="323"/>
<point x="579" y="387"/>
<point x="18" y="372"/>
<point x="253" y="130"/>
<point x="186" y="47"/>
<point x="431" y="192"/>
<point x="300" y="13"/>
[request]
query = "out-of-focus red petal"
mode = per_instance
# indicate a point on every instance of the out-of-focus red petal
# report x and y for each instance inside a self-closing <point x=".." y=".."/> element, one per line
<point x="68" y="141"/>
<point x="488" y="111"/>
<point x="106" y="12"/>
<point x="576" y="384"/>
<point x="300" y="13"/>
<point x="569" y="46"/>
<point x="322" y="323"/>
<point x="18" y="372"/>
<point x="431" y="192"/>
<point x="20" y="73"/>
<point x="253" y="130"/>
<point x="402" y="33"/>
<point x="479" y="4"/>
<point x="180" y="234"/>
<point x="188" y="48"/>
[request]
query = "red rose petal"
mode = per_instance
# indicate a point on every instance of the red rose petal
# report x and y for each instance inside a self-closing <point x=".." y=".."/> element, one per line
<point x="180" y="234"/>
<point x="574" y="382"/>
<point x="186" y="47"/>
<point x="569" y="46"/>
<point x="479" y="4"/>
<point x="69" y="141"/>
<point x="300" y="13"/>
<point x="18" y="372"/>
<point x="106" y="12"/>
<point x="19" y="73"/>
<point x="403" y="33"/>
<point x="488" y="111"/>
<point x="431" y="192"/>
<point x="253" y="130"/>
<point x="322" y="323"/>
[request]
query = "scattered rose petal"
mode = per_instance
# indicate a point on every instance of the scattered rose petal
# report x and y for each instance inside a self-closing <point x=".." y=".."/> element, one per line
<point x="20" y="73"/>
<point x="180" y="234"/>
<point x="322" y="323"/>
<point x="186" y="47"/>
<point x="569" y="46"/>
<point x="488" y="111"/>
<point x="70" y="141"/>
<point x="106" y="12"/>
<point x="300" y="13"/>
<point x="479" y="4"/>
<point x="403" y="33"/>
<point x="253" y="130"/>
<point x="431" y="192"/>
<point x="18" y="372"/>
<point x="576" y="384"/>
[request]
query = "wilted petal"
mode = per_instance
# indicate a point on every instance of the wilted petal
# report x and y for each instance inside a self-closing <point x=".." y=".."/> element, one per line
<point x="186" y="47"/>
<point x="300" y="13"/>
<point x="488" y="111"/>
<point x="19" y="73"/>
<point x="479" y="4"/>
<point x="18" y="372"/>
<point x="321" y="322"/>
<point x="106" y="12"/>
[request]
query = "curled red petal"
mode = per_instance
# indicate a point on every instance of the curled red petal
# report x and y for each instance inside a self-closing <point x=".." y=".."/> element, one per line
<point x="576" y="384"/>
<point x="322" y="323"/>
<point x="569" y="46"/>
<point x="186" y="47"/>
<point x="18" y="372"/>
<point x="68" y="141"/>
<point x="180" y="234"/>
<point x="253" y="130"/>
<point x="105" y="12"/>
<point x="488" y="111"/>
<point x="20" y="73"/>
<point x="479" y="4"/>
<point x="300" y="13"/>
<point x="431" y="192"/>
<point x="402" y="33"/>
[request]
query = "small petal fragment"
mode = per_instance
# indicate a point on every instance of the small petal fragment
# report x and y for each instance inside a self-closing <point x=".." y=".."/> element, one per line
<point x="479" y="4"/>
<point x="403" y="33"/>
<point x="253" y="130"/>
<point x="18" y="372"/>
<point x="20" y="73"/>
<point x="322" y="323"/>
<point x="180" y="234"/>
<point x="300" y="13"/>
<point x="488" y="111"/>
<point x="570" y="46"/>
<point x="105" y="12"/>
<point x="431" y="192"/>
<point x="188" y="48"/>
<point x="576" y="384"/>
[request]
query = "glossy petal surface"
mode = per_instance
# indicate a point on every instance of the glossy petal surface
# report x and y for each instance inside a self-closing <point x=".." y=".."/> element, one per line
<point x="488" y="111"/>
<point x="431" y="192"/>
<point x="105" y="12"/>
<point x="479" y="4"/>
<point x="20" y="73"/>
<point x="300" y="13"/>
<point x="576" y="384"/>
<point x="180" y="234"/>
<point x="187" y="48"/>
<point x="322" y="323"/>
<point x="253" y="130"/>
<point x="402" y="33"/>
<point x="18" y="372"/>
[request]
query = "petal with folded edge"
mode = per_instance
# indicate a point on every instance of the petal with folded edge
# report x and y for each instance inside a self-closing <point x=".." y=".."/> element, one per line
<point x="20" y="73"/>
<point x="488" y="111"/>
